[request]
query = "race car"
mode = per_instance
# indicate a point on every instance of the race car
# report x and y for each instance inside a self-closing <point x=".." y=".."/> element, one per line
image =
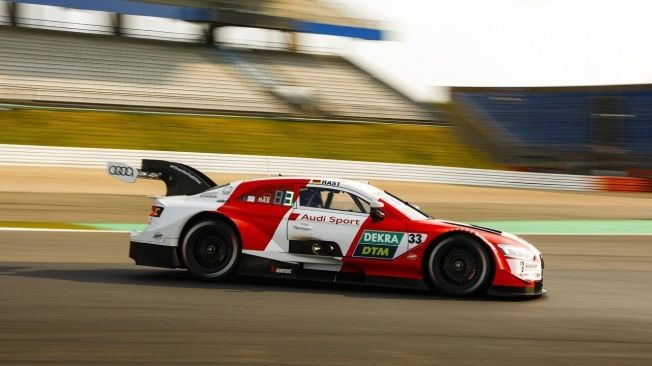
<point x="323" y="229"/>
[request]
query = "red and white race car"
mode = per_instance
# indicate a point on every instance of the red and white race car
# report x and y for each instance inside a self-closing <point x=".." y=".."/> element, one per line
<point x="321" y="229"/>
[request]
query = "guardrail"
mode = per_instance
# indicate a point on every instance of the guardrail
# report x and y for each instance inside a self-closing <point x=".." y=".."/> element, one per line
<point x="28" y="155"/>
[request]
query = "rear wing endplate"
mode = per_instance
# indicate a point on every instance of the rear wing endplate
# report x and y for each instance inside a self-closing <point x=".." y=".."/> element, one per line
<point x="179" y="179"/>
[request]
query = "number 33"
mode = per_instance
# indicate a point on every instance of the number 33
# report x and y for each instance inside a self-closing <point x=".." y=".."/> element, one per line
<point x="415" y="239"/>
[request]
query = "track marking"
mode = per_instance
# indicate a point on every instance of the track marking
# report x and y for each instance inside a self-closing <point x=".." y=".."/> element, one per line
<point x="62" y="230"/>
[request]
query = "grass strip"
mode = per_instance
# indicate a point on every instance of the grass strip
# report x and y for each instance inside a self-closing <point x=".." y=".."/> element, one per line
<point x="394" y="143"/>
<point x="42" y="225"/>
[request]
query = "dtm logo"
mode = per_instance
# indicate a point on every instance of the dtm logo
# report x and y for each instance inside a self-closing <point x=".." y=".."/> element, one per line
<point x="378" y="244"/>
<point x="375" y="251"/>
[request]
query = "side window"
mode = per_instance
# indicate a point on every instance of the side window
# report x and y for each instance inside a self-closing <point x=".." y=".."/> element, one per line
<point x="311" y="197"/>
<point x="271" y="195"/>
<point x="332" y="199"/>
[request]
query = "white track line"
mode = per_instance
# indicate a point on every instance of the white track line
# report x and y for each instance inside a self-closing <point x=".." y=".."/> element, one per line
<point x="29" y="229"/>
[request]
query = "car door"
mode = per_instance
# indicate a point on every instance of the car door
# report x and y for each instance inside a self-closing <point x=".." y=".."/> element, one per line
<point x="325" y="221"/>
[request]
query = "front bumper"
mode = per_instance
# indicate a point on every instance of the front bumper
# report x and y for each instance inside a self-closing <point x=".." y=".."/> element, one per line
<point x="154" y="255"/>
<point x="512" y="291"/>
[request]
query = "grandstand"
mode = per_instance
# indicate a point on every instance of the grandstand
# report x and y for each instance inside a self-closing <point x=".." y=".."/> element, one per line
<point x="104" y="70"/>
<point x="55" y="67"/>
<point x="605" y="129"/>
<point x="338" y="88"/>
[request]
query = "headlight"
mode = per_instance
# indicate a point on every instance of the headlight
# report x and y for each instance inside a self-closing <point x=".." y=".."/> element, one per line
<point x="513" y="251"/>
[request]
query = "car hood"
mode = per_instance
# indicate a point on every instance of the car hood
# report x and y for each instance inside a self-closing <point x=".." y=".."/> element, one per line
<point x="471" y="226"/>
<point x="494" y="236"/>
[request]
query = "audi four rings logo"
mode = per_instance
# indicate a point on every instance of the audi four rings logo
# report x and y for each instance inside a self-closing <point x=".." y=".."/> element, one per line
<point x="124" y="171"/>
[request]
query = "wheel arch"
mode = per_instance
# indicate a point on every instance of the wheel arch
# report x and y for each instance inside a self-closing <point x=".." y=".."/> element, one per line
<point x="201" y="216"/>
<point x="494" y="260"/>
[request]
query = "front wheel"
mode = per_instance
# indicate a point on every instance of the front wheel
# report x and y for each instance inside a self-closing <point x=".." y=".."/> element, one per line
<point x="459" y="266"/>
<point x="211" y="250"/>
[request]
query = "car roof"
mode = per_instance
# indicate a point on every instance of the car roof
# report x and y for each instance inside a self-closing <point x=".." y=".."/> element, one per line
<point x="357" y="186"/>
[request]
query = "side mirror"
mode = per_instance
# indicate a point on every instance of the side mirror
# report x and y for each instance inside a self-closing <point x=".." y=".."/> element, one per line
<point x="376" y="209"/>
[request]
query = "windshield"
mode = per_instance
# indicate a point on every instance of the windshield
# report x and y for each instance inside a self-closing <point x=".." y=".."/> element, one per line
<point x="405" y="207"/>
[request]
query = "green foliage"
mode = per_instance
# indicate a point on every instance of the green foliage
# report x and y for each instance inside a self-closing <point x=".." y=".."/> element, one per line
<point x="416" y="144"/>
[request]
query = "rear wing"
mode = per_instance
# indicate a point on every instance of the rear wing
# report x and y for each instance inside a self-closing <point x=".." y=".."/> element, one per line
<point x="179" y="179"/>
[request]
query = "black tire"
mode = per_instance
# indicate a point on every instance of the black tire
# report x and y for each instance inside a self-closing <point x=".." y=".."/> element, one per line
<point x="460" y="266"/>
<point x="211" y="250"/>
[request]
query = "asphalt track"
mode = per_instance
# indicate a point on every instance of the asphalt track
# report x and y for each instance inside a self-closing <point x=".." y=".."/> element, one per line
<point x="72" y="309"/>
<point x="73" y="298"/>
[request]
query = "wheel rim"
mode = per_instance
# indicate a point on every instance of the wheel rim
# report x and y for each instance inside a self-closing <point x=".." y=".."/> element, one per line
<point x="458" y="267"/>
<point x="211" y="252"/>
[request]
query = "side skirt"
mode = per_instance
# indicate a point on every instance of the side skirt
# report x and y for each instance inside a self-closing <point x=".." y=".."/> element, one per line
<point x="251" y="265"/>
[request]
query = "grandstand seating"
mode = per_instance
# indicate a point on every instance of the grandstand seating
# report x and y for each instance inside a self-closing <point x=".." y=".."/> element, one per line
<point x="63" y="67"/>
<point x="638" y="134"/>
<point x="566" y="120"/>
<point x="569" y="129"/>
<point x="338" y="87"/>
<point x="534" y="119"/>
<point x="60" y="67"/>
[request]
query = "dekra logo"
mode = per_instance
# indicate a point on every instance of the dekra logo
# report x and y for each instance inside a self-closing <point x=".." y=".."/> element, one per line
<point x="381" y="237"/>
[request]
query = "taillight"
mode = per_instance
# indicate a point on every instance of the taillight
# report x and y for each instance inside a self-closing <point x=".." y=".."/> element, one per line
<point x="156" y="211"/>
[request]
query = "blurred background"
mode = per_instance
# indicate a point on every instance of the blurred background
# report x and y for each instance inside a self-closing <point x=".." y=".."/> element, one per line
<point x="263" y="73"/>
<point x="531" y="116"/>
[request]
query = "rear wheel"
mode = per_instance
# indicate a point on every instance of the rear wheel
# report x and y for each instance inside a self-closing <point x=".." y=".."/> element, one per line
<point x="460" y="266"/>
<point x="211" y="250"/>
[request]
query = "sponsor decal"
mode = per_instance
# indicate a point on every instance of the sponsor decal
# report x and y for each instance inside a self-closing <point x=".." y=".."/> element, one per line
<point x="211" y="194"/>
<point x="378" y="244"/>
<point x="265" y="198"/>
<point x="374" y="251"/>
<point x="227" y="189"/>
<point x="330" y="183"/>
<point x="251" y="199"/>
<point x="324" y="182"/>
<point x="279" y="270"/>
<point x="186" y="173"/>
<point x="529" y="266"/>
<point x="381" y="237"/>
<point x="526" y="270"/>
<point x="331" y="219"/>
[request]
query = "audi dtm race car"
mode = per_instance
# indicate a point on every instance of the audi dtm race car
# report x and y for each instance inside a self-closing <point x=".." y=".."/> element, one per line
<point x="321" y="229"/>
